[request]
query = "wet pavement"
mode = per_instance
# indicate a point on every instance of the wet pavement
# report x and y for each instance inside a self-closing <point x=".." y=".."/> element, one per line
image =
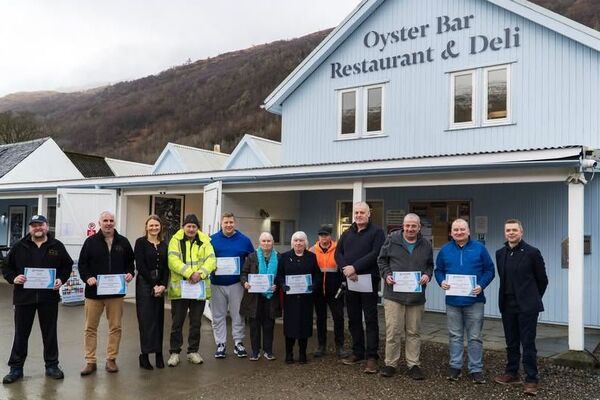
<point x="188" y="381"/>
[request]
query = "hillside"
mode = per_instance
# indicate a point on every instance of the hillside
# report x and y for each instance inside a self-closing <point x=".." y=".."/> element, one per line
<point x="199" y="104"/>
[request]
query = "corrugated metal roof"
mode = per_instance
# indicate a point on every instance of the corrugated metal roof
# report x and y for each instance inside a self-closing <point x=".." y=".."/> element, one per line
<point x="12" y="154"/>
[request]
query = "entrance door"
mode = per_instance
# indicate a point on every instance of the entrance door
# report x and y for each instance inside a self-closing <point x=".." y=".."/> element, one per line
<point x="211" y="207"/>
<point x="77" y="212"/>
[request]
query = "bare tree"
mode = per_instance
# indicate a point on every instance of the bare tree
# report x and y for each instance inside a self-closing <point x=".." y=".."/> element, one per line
<point x="18" y="127"/>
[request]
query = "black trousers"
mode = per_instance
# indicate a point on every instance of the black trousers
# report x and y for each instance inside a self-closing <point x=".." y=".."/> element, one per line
<point x="24" y="316"/>
<point x="336" y="306"/>
<point x="263" y="326"/>
<point x="289" y="348"/>
<point x="151" y="317"/>
<point x="179" y="309"/>
<point x="358" y="303"/>
<point x="520" y="331"/>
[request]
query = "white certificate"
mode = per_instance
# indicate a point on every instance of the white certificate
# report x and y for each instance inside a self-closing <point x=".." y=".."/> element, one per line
<point x="407" y="282"/>
<point x="111" y="284"/>
<point x="260" y="283"/>
<point x="39" y="278"/>
<point x="228" y="266"/>
<point x="299" y="284"/>
<point x="461" y="285"/>
<point x="364" y="284"/>
<point x="194" y="291"/>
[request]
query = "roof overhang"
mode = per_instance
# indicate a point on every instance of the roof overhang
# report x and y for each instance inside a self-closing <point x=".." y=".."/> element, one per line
<point x="482" y="163"/>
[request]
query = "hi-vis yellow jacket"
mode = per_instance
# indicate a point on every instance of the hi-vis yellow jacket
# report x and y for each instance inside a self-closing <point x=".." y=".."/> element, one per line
<point x="187" y="257"/>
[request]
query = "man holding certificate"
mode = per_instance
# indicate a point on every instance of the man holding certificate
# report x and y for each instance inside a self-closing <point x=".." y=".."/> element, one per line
<point x="231" y="248"/>
<point x="464" y="269"/>
<point x="356" y="256"/>
<point x="106" y="265"/>
<point x="37" y="266"/>
<point x="523" y="281"/>
<point x="406" y="264"/>
<point x="191" y="260"/>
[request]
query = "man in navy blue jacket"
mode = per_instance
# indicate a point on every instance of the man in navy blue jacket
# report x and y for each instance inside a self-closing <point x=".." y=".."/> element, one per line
<point x="466" y="258"/>
<point x="523" y="282"/>
<point x="356" y="254"/>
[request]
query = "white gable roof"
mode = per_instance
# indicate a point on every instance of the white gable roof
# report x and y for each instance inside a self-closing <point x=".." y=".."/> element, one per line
<point x="260" y="151"/>
<point x="128" y="168"/>
<point x="544" y="17"/>
<point x="180" y="158"/>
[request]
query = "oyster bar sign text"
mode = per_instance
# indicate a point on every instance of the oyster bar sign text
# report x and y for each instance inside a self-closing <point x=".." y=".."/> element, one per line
<point x="384" y="40"/>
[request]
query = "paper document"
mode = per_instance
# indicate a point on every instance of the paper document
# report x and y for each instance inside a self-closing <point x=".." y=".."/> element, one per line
<point x="364" y="284"/>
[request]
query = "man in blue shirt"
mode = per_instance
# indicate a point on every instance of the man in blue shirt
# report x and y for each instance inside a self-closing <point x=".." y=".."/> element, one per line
<point x="231" y="248"/>
<point x="463" y="256"/>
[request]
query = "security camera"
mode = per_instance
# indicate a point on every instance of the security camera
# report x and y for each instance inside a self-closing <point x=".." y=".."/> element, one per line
<point x="589" y="163"/>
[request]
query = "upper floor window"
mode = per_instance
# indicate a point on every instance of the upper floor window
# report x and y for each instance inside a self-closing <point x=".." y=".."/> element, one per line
<point x="361" y="111"/>
<point x="474" y="107"/>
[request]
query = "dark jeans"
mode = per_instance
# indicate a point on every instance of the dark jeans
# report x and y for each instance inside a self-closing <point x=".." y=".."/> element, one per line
<point x="336" y="306"/>
<point x="24" y="316"/>
<point x="262" y="324"/>
<point x="520" y="330"/>
<point x="179" y="309"/>
<point x="358" y="303"/>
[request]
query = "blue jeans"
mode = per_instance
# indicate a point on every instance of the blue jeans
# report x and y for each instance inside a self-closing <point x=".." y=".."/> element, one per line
<point x="469" y="319"/>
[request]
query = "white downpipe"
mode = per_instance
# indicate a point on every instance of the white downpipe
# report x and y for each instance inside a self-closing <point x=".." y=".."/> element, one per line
<point x="576" y="275"/>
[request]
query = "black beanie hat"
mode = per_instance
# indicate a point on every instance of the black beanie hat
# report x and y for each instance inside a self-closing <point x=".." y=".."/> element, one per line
<point x="191" y="219"/>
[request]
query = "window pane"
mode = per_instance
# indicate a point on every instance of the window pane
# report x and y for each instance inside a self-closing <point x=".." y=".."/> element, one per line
<point x="276" y="231"/>
<point x="348" y="112"/>
<point x="374" y="110"/>
<point x="497" y="96"/>
<point x="288" y="231"/>
<point x="463" y="98"/>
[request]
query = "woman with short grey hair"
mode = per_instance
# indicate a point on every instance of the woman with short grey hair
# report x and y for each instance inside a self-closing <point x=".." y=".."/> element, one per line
<point x="298" y="316"/>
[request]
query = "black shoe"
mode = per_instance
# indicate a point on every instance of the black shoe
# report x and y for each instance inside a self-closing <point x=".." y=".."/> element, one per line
<point x="478" y="377"/>
<point x="54" y="372"/>
<point x="160" y="361"/>
<point x="289" y="358"/>
<point x="145" y="362"/>
<point x="340" y="352"/>
<point x="14" y="375"/>
<point x="320" y="351"/>
<point x="416" y="373"/>
<point x="453" y="374"/>
<point x="388" y="371"/>
<point x="302" y="358"/>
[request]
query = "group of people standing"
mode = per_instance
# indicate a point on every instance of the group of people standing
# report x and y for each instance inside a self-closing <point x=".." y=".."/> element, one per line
<point x="194" y="267"/>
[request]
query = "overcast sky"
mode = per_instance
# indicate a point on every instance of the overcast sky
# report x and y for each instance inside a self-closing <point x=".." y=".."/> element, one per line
<point x="74" y="44"/>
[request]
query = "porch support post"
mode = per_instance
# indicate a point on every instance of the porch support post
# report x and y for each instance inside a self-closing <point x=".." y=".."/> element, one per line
<point x="359" y="193"/>
<point x="576" y="277"/>
<point x="121" y="213"/>
<point x="42" y="205"/>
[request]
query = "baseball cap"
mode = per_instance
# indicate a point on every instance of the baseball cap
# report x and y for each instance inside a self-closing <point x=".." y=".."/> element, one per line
<point x="38" y="219"/>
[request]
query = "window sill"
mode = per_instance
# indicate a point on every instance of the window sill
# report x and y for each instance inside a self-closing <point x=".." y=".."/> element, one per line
<point x="489" y="125"/>
<point x="344" y="139"/>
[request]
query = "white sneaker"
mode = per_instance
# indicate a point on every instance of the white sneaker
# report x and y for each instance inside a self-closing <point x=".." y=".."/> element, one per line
<point x="195" y="358"/>
<point x="173" y="360"/>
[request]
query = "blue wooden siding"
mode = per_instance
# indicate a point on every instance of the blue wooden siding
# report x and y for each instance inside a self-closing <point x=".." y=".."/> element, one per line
<point x="555" y="89"/>
<point x="541" y="207"/>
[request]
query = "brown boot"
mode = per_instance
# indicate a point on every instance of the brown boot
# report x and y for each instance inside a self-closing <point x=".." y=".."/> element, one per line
<point x="372" y="366"/>
<point x="507" y="379"/>
<point x="530" y="388"/>
<point x="89" y="369"/>
<point x="111" y="366"/>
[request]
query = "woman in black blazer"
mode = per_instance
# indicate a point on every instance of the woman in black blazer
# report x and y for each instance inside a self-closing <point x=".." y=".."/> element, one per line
<point x="151" y="283"/>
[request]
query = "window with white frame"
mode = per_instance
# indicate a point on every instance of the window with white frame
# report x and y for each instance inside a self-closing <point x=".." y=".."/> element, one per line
<point x="361" y="111"/>
<point x="465" y="96"/>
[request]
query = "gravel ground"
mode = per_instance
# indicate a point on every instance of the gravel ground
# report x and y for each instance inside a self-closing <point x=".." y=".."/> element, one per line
<point x="327" y="378"/>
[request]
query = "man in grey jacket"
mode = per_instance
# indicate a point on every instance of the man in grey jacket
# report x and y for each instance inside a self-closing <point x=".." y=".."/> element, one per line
<point x="410" y="256"/>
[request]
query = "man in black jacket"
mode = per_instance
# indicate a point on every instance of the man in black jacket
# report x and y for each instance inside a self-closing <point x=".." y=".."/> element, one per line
<point x="405" y="251"/>
<point x="356" y="254"/>
<point x="105" y="253"/>
<point x="38" y="250"/>
<point x="523" y="282"/>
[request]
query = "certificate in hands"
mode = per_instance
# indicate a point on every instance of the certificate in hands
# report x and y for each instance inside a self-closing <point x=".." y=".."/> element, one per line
<point x="108" y="284"/>
<point x="39" y="278"/>
<point x="299" y="284"/>
<point x="260" y="283"/>
<point x="228" y="266"/>
<point x="461" y="285"/>
<point x="364" y="284"/>
<point x="407" y="282"/>
<point x="194" y="291"/>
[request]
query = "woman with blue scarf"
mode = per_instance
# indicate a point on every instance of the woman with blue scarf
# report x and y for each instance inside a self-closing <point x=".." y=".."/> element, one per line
<point x="261" y="308"/>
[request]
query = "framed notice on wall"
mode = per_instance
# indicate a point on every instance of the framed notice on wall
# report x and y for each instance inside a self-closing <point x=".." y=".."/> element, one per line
<point x="170" y="211"/>
<point x="16" y="224"/>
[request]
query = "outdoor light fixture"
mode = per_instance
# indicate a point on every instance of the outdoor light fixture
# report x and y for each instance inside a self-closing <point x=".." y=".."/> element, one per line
<point x="263" y="213"/>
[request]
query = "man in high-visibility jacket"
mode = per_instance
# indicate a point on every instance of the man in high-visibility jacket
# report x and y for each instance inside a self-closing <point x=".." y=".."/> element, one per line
<point x="191" y="261"/>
